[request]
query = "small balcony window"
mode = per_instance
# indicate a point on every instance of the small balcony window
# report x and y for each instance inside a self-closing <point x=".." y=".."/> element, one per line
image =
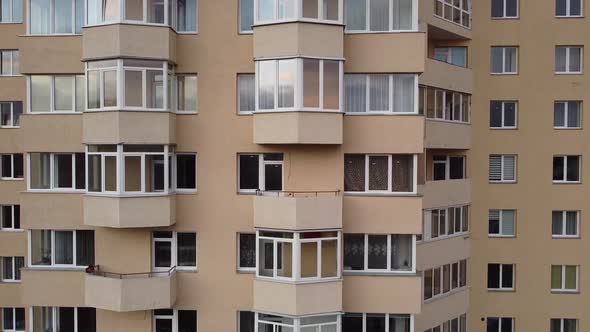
<point x="326" y="323"/>
<point x="380" y="15"/>
<point x="49" y="17"/>
<point x="298" y="256"/>
<point x="272" y="11"/>
<point x="61" y="248"/>
<point x="384" y="174"/>
<point x="379" y="252"/>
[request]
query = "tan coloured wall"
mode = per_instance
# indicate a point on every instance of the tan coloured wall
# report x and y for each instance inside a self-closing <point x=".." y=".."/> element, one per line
<point x="129" y="212"/>
<point x="447" y="135"/>
<point x="298" y="213"/>
<point x="9" y="189"/>
<point x="128" y="40"/>
<point x="136" y="321"/>
<point x="129" y="127"/>
<point x="60" y="55"/>
<point x="440" y="252"/>
<point x="52" y="133"/>
<point x="438" y="311"/>
<point x="52" y="288"/>
<point x="47" y="210"/>
<point x="383" y="134"/>
<point x="298" y="39"/>
<point x="446" y="193"/>
<point x="298" y="128"/>
<point x="437" y="75"/>
<point x="297" y="299"/>
<point x="13" y="243"/>
<point x="385" y="294"/>
<point x="123" y="250"/>
<point x="387" y="215"/>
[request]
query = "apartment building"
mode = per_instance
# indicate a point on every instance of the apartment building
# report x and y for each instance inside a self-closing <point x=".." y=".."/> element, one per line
<point x="291" y="165"/>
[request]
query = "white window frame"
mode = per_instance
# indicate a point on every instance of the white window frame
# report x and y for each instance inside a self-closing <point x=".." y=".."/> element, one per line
<point x="500" y="323"/>
<point x="173" y="318"/>
<point x="12" y="228"/>
<point x="503" y="113"/>
<point x="296" y="326"/>
<point x="563" y="289"/>
<point x="51" y="107"/>
<point x="504" y="71"/>
<point x="565" y="162"/>
<point x="261" y="171"/>
<point x="564" y="234"/>
<point x="239" y="76"/>
<point x="52" y="19"/>
<point x="568" y="60"/>
<point x="389" y="191"/>
<point x="174" y="251"/>
<point x="11" y="19"/>
<point x="54" y="314"/>
<point x="562" y="323"/>
<point x="298" y="89"/>
<point x="388" y="268"/>
<point x="445" y="3"/>
<point x="451" y="50"/>
<point x="502" y="177"/>
<point x="504" y="12"/>
<point x="447" y="163"/>
<point x="14" y="329"/>
<point x="175" y="92"/>
<point x="367" y="28"/>
<point x="52" y="184"/>
<point x="427" y="235"/>
<point x="297" y="10"/>
<point x="501" y="222"/>
<point x="53" y="265"/>
<point x="296" y="241"/>
<point x="12" y="278"/>
<point x="12" y="177"/>
<point x="568" y="10"/>
<point x="391" y="94"/>
<point x="566" y="104"/>
<point x="12" y="56"/>
<point x="465" y="113"/>
<point x="441" y="277"/>
<point x="387" y="316"/>
<point x="12" y="119"/>
<point x="175" y="173"/>
<point x="501" y="277"/>
<point x="238" y="266"/>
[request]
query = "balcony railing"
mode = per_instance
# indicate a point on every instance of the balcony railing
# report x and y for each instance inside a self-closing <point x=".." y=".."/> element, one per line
<point x="95" y="271"/>
<point x="285" y="193"/>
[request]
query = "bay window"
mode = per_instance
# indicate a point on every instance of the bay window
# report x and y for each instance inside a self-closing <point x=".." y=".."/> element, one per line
<point x="58" y="248"/>
<point x="298" y="84"/>
<point x="269" y="11"/>
<point x="10" y="113"/>
<point x="180" y="15"/>
<point x="69" y="319"/>
<point x="379" y="252"/>
<point x="380" y="93"/>
<point x="56" y="171"/>
<point x="10" y="269"/>
<point x="298" y="256"/>
<point x="13" y="319"/>
<point x="56" y="93"/>
<point x="48" y="17"/>
<point x="174" y="249"/>
<point x="381" y="15"/>
<point x="372" y="173"/>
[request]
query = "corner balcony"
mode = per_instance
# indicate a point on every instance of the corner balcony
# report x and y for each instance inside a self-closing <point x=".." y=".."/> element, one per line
<point x="131" y="127"/>
<point x="298" y="127"/>
<point x="447" y="135"/>
<point x="297" y="299"/>
<point x="298" y="210"/>
<point x="129" y="212"/>
<point x="49" y="287"/>
<point x="446" y="193"/>
<point x="366" y="294"/>
<point x="130" y="292"/>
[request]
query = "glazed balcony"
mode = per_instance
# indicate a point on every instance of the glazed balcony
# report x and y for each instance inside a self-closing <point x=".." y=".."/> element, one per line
<point x="130" y="292"/>
<point x="293" y="210"/>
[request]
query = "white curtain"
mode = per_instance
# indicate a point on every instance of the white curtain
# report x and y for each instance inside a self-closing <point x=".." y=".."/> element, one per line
<point x="356" y="14"/>
<point x="379" y="15"/>
<point x="379" y="92"/>
<point x="403" y="93"/>
<point x="355" y="93"/>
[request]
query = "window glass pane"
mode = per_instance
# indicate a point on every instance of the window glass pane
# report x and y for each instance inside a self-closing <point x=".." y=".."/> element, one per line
<point x="427" y="284"/>
<point x="571" y="277"/>
<point x="573" y="114"/>
<point x="40" y="93"/>
<point x="187" y="93"/>
<point x="507" y="275"/>
<point x="286" y="9"/>
<point x="309" y="261"/>
<point x="79" y="92"/>
<point x="575" y="59"/>
<point x="65" y="319"/>
<point x="560" y="7"/>
<point x="80" y="163"/>
<point x="377" y="252"/>
<point x="354" y="172"/>
<point x="375" y="323"/>
<point x="110" y="173"/>
<point x="249" y="172"/>
<point x="63" y="16"/>
<point x="570" y="325"/>
<point x="556" y="277"/>
<point x="331" y="84"/>
<point x="493" y="324"/>
<point x="133" y="88"/>
<point x="497" y="59"/>
<point x="401" y="252"/>
<point x="273" y="177"/>
<point x="40" y="172"/>
<point x="356" y="17"/>
<point x="266" y="84"/>
<point x="187" y="15"/>
<point x="507" y="222"/>
<point x="132" y="173"/>
<point x="86" y="319"/>
<point x="163" y="325"/>
<point x="495" y="114"/>
<point x="110" y="88"/>
<point x="573" y="168"/>
<point x="162" y="254"/>
<point x="246" y="15"/>
<point x="19" y="314"/>
<point x="446" y="278"/>
<point x="7" y="216"/>
<point x="39" y="21"/>
<point x="94" y="173"/>
<point x="557" y="223"/>
<point x="247" y="250"/>
<point x="266" y="258"/>
<point x="379" y="92"/>
<point x="7" y="272"/>
<point x="246" y="321"/>
<point x="62" y="170"/>
<point x="402" y="173"/>
<point x="64" y="244"/>
<point x="246" y="92"/>
<point x="379" y="15"/>
<point x="155" y="89"/>
<point x="84" y="247"/>
<point x="459" y="56"/>
<point x="403" y="93"/>
<point x="156" y="11"/>
<point x="187" y="249"/>
<point x="265" y="10"/>
<point x="510" y="114"/>
<point x="287" y="74"/>
<point x="511" y="8"/>
<point x="310" y="8"/>
<point x="154" y="173"/>
<point x="93" y="78"/>
<point x="134" y="10"/>
<point x="560" y="56"/>
<point x="5" y="114"/>
<point x="330" y="9"/>
<point x="493" y="275"/>
<point x="63" y="92"/>
<point x="186" y="171"/>
<point x="571" y="226"/>
<point x="6" y="166"/>
<point x="355" y="93"/>
<point x="42" y="319"/>
<point x="187" y="321"/>
<point x="17" y="165"/>
<point x="284" y="259"/>
<point x="457" y="167"/>
<point x="575" y="7"/>
<point x="378" y="172"/>
<point x="329" y="258"/>
<point x="311" y="81"/>
<point x="354" y="252"/>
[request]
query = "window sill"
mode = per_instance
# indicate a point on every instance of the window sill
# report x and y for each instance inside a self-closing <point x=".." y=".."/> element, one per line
<point x="378" y="194"/>
<point x="11" y="179"/>
<point x="568" y="16"/>
<point x="569" y="73"/>
<point x="504" y="74"/>
<point x="51" y="35"/>
<point x="296" y="20"/>
<point x="565" y="237"/>
<point x="503" y="128"/>
<point x="184" y="270"/>
<point x="9" y="127"/>
<point x="566" y="182"/>
<point x="54" y="112"/>
<point x="565" y="291"/>
<point x="381" y="273"/>
<point x="246" y="271"/>
<point x="122" y="22"/>
<point x="186" y="112"/>
<point x="503" y="18"/>
<point x="498" y="236"/>
<point x="10" y="282"/>
<point x="502" y="182"/>
<point x="4" y="230"/>
<point x="1" y="23"/>
<point x="298" y="282"/>
<point x="382" y="114"/>
<point x="567" y="128"/>
<point x="500" y="290"/>
<point x="119" y="109"/>
<point x="297" y="111"/>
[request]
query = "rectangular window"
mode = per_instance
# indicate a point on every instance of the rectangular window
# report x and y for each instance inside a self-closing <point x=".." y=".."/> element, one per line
<point x="456" y="11"/>
<point x="502" y="223"/>
<point x="10" y="269"/>
<point x="373" y="322"/>
<point x="11" y="166"/>
<point x="564" y="325"/>
<point x="501" y="277"/>
<point x="13" y="319"/>
<point x="503" y="114"/>
<point x="57" y="171"/>
<point x="444" y="223"/>
<point x="444" y="105"/>
<point x="457" y="324"/>
<point x="505" y="8"/>
<point x="246" y="93"/>
<point x="186" y="172"/>
<point x="10" y="113"/>
<point x="448" y="168"/>
<point x="568" y="59"/>
<point x="453" y="55"/>
<point x="444" y="279"/>
<point x="504" y="60"/>
<point x="502" y="168"/>
<point x="567" y="115"/>
<point x="11" y="11"/>
<point x="309" y="10"/>
<point x="186" y="98"/>
<point x="246" y="321"/>
<point x="565" y="224"/>
<point x="566" y="169"/>
<point x="500" y="324"/>
<point x="379" y="15"/>
<point x="246" y="16"/>
<point x="10" y="217"/>
<point x="64" y="93"/>
<point x="174" y="249"/>
<point x="246" y="251"/>
<point x="379" y="173"/>
<point x="175" y="320"/>
<point x="61" y="248"/>
<point x="47" y="319"/>
<point x="65" y="17"/>
<point x="262" y="172"/>
<point x="392" y="253"/>
<point x="380" y="93"/>
<point x="9" y="63"/>
<point x="569" y="8"/>
<point x="564" y="278"/>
